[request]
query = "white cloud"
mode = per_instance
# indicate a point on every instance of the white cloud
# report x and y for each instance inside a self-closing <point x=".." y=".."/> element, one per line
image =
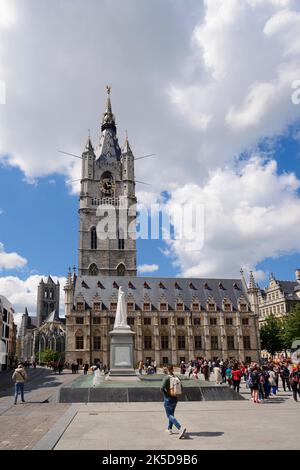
<point x="253" y="220"/>
<point x="148" y="268"/>
<point x="10" y="260"/>
<point x="213" y="80"/>
<point x="23" y="293"/>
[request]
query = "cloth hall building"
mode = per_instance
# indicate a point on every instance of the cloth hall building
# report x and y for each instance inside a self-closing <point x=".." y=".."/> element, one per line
<point x="174" y="319"/>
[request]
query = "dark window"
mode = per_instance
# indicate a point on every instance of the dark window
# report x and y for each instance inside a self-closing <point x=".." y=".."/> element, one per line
<point x="182" y="359"/>
<point x="163" y="306"/>
<point x="214" y="342"/>
<point x="147" y="306"/>
<point x="121" y="270"/>
<point x="147" y="321"/>
<point x="80" y="306"/>
<point x="180" y="321"/>
<point x="230" y="342"/>
<point x="243" y="307"/>
<point x="130" y="306"/>
<point x="130" y="320"/>
<point x="97" y="343"/>
<point x="96" y="320"/>
<point x="164" y="321"/>
<point x="79" y="320"/>
<point x="229" y="321"/>
<point x="79" y="342"/>
<point x="93" y="270"/>
<point x="245" y="321"/>
<point x="181" y="342"/>
<point x="147" y="342"/>
<point x="211" y="307"/>
<point x="197" y="321"/>
<point x="121" y="244"/>
<point x="113" y="305"/>
<point x="111" y="320"/>
<point x="198" y="342"/>
<point x="248" y="359"/>
<point x="213" y="321"/>
<point x="247" y="344"/>
<point x="165" y="342"/>
<point x="165" y="360"/>
<point x="195" y="307"/>
<point x="4" y="316"/>
<point x="180" y="306"/>
<point x="97" y="306"/>
<point x="227" y="307"/>
<point x="6" y="331"/>
<point x="79" y="361"/>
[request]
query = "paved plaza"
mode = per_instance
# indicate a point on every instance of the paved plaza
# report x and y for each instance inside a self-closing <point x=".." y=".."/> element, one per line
<point x="42" y="423"/>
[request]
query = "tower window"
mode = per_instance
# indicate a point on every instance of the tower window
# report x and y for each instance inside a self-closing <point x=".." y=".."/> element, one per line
<point x="93" y="270"/>
<point x="121" y="242"/>
<point x="121" y="270"/>
<point x="93" y="238"/>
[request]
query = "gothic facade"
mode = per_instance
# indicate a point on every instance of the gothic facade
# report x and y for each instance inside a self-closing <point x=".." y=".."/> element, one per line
<point x="46" y="330"/>
<point x="173" y="319"/>
<point x="279" y="297"/>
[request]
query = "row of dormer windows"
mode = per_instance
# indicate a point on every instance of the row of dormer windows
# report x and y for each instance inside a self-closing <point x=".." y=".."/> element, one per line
<point x="163" y="307"/>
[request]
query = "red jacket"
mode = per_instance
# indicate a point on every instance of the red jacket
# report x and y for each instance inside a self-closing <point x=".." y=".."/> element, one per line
<point x="236" y="374"/>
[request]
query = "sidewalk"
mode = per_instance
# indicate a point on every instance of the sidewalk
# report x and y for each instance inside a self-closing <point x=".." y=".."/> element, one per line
<point x="211" y="425"/>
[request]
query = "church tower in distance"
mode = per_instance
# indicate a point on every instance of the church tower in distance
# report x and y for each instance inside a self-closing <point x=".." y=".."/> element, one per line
<point x="107" y="211"/>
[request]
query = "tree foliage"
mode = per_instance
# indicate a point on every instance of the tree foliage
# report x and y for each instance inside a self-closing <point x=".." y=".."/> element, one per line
<point x="271" y="335"/>
<point x="291" y="326"/>
<point x="49" y="355"/>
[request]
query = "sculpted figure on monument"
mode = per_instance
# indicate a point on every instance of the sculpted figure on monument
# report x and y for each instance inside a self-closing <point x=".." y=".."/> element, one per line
<point x="121" y="314"/>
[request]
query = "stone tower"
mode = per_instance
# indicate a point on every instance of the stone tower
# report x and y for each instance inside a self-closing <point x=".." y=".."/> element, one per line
<point x="107" y="209"/>
<point x="47" y="299"/>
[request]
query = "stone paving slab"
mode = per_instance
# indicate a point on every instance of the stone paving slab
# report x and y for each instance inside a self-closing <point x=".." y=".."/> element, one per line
<point x="211" y="425"/>
<point x="24" y="424"/>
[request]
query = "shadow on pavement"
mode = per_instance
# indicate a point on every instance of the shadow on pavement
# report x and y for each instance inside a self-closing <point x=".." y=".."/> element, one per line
<point x="204" y="434"/>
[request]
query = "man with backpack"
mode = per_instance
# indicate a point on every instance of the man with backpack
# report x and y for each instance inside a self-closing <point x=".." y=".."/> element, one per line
<point x="172" y="388"/>
<point x="19" y="377"/>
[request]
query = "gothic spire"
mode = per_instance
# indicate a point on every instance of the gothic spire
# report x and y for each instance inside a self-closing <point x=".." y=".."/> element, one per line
<point x="88" y="146"/>
<point x="126" y="149"/>
<point x="108" y="119"/>
<point x="252" y="283"/>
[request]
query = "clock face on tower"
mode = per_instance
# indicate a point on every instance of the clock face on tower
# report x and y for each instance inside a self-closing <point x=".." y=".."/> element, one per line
<point x="107" y="185"/>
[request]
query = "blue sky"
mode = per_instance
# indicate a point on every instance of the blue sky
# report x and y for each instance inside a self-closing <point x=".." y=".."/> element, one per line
<point x="206" y="86"/>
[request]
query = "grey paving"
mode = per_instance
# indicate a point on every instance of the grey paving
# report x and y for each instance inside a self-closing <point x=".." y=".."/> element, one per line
<point x="211" y="425"/>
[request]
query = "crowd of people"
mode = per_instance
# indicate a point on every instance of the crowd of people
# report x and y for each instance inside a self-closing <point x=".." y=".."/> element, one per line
<point x="262" y="380"/>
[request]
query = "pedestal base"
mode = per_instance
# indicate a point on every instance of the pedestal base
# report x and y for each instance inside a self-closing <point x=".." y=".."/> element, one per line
<point x="121" y="354"/>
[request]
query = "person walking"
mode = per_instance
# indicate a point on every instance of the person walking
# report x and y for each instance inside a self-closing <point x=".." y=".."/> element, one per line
<point x="236" y="374"/>
<point x="86" y="368"/>
<point x="218" y="375"/>
<point x="273" y="381"/>
<point x="140" y="367"/>
<point x="294" y="381"/>
<point x="171" y="387"/>
<point x="19" y="377"/>
<point x="285" y="374"/>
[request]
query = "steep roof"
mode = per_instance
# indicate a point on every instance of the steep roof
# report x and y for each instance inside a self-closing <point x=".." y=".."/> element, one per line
<point x="171" y="289"/>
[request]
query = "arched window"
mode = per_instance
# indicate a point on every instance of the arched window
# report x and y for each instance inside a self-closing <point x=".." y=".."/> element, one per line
<point x="93" y="238"/>
<point x="121" y="270"/>
<point x="93" y="270"/>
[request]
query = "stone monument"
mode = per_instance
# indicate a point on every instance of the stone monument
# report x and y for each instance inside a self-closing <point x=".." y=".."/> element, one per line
<point x="121" y="343"/>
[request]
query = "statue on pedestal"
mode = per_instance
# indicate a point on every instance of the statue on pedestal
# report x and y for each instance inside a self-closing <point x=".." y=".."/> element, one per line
<point x="121" y="314"/>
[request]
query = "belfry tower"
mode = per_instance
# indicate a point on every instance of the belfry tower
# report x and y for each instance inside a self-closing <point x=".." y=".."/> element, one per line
<point x="107" y="211"/>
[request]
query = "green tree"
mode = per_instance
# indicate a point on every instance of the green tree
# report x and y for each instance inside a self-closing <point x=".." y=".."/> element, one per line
<point x="49" y="355"/>
<point x="291" y="330"/>
<point x="271" y="335"/>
